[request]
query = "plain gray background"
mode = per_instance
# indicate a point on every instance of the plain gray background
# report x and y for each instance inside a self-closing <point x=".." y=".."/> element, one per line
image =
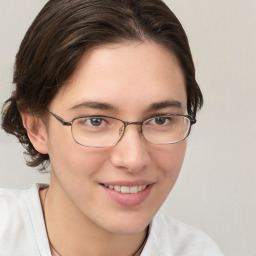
<point x="216" y="190"/>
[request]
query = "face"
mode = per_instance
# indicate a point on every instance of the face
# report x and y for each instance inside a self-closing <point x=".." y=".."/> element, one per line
<point x="132" y="82"/>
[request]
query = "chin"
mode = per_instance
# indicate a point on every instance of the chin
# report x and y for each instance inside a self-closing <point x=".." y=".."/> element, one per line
<point x="128" y="229"/>
<point x="129" y="223"/>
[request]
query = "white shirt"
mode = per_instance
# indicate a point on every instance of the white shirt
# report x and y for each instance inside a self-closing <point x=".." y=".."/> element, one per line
<point x="23" y="232"/>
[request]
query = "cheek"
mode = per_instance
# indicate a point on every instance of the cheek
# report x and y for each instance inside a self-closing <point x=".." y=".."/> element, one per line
<point x="167" y="164"/>
<point x="75" y="170"/>
<point x="69" y="158"/>
<point x="169" y="159"/>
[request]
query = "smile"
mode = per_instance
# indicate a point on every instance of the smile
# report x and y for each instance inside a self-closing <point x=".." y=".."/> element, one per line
<point x="125" y="189"/>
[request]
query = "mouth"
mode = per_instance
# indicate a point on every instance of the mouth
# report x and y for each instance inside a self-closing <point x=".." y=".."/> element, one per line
<point x="126" y="189"/>
<point x="128" y="195"/>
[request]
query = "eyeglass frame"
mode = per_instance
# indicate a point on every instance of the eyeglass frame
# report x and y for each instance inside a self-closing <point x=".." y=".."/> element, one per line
<point x="126" y="123"/>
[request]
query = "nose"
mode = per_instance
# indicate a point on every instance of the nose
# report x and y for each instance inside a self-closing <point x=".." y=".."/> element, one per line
<point x="131" y="153"/>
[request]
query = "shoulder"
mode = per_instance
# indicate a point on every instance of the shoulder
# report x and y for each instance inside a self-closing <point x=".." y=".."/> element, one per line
<point x="18" y="208"/>
<point x="13" y="202"/>
<point x="172" y="237"/>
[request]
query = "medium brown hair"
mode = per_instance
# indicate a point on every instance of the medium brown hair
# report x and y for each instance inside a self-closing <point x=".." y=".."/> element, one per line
<point x="64" y="30"/>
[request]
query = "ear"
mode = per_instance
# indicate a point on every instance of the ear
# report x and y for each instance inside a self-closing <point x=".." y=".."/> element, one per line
<point x="36" y="131"/>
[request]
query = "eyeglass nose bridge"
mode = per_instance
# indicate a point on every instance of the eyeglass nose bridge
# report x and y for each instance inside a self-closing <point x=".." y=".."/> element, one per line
<point x="122" y="129"/>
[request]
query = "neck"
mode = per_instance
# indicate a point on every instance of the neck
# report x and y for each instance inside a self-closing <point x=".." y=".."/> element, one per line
<point x="71" y="233"/>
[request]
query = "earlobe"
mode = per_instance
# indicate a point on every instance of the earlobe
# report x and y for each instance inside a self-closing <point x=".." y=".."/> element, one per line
<point x="36" y="131"/>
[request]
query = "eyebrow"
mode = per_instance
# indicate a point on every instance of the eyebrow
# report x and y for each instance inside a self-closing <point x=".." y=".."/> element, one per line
<point x="165" y="104"/>
<point x="107" y="106"/>
<point x="95" y="105"/>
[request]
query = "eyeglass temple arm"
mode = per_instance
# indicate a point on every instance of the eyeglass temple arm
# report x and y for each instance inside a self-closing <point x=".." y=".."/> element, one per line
<point x="60" y="119"/>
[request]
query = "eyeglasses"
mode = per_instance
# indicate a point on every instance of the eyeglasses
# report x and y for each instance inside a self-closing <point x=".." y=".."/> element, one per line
<point x="105" y="131"/>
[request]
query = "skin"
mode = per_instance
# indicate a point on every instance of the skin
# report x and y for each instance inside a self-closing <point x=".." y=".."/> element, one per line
<point x="131" y="77"/>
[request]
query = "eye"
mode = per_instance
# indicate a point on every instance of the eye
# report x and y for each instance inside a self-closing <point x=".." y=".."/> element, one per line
<point x="160" y="120"/>
<point x="95" y="121"/>
<point x="91" y="122"/>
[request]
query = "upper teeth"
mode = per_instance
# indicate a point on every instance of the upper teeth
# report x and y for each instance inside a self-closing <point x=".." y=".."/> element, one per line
<point x="127" y="190"/>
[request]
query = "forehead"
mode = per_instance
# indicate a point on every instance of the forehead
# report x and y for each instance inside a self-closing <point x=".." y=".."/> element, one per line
<point x="128" y="75"/>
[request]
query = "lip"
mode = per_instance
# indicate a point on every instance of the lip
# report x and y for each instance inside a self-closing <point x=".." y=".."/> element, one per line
<point x="128" y="183"/>
<point x="125" y="199"/>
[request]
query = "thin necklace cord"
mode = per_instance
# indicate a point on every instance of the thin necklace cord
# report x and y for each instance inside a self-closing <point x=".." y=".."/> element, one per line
<point x="55" y="252"/>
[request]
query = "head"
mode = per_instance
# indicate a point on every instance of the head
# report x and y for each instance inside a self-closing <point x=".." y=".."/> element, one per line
<point x="64" y="30"/>
<point x="54" y="67"/>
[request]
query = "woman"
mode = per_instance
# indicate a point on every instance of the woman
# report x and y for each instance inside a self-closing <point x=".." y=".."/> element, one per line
<point x="105" y="93"/>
